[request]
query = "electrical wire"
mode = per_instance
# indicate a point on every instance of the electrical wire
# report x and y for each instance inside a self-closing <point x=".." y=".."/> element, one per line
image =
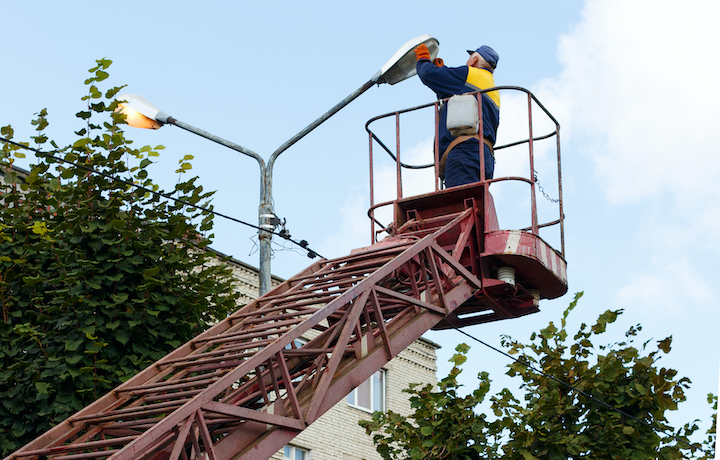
<point x="303" y="244"/>
<point x="285" y="247"/>
<point x="577" y="390"/>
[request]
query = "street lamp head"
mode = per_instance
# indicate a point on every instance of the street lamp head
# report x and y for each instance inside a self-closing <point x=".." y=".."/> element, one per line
<point x="140" y="113"/>
<point x="402" y="65"/>
<point x="136" y="119"/>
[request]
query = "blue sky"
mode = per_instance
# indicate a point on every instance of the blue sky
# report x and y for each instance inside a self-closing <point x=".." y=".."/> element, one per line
<point x="629" y="81"/>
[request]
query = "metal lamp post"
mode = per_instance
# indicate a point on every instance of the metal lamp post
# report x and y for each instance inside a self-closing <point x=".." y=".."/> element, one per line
<point x="142" y="114"/>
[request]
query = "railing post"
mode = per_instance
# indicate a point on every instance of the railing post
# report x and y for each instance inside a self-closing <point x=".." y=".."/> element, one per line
<point x="397" y="155"/>
<point x="372" y="193"/>
<point x="481" y="141"/>
<point x="533" y="202"/>
<point x="436" y="148"/>
<point x="560" y="195"/>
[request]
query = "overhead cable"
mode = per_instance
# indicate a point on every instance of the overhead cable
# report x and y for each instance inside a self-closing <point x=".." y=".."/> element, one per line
<point x="303" y="244"/>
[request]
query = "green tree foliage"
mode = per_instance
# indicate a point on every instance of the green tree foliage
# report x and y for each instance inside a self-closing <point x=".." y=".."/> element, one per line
<point x="556" y="423"/>
<point x="444" y="425"/>
<point x="98" y="279"/>
<point x="553" y="421"/>
<point x="709" y="442"/>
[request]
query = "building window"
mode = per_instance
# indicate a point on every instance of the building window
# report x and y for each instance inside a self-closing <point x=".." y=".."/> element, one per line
<point x="295" y="453"/>
<point x="370" y="395"/>
<point x="297" y="343"/>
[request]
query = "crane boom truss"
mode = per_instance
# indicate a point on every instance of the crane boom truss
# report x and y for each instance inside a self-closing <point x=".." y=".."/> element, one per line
<point x="243" y="388"/>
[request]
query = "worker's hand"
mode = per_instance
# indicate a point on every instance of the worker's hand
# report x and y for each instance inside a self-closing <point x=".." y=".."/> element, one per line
<point x="422" y="52"/>
<point x="438" y="62"/>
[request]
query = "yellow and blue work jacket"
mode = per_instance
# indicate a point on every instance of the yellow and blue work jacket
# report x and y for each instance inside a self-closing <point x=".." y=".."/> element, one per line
<point x="449" y="81"/>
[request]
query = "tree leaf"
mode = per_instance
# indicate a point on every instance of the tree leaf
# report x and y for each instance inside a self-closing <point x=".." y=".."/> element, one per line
<point x="665" y="344"/>
<point x="42" y="387"/>
<point x="122" y="336"/>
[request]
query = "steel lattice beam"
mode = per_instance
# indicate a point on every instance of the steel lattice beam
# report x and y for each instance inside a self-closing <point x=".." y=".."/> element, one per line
<point x="242" y="389"/>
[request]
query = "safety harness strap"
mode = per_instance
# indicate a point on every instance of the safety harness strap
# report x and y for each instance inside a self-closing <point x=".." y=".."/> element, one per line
<point x="454" y="143"/>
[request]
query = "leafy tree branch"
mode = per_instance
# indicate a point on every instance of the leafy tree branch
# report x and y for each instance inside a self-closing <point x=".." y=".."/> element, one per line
<point x="98" y="279"/>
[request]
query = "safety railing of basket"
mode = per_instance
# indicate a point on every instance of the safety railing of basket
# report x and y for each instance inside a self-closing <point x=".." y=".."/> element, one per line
<point x="531" y="180"/>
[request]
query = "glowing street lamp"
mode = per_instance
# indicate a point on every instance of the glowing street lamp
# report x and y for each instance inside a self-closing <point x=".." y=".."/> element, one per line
<point x="142" y="114"/>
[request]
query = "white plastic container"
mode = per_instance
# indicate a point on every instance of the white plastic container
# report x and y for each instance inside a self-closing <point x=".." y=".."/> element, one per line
<point x="462" y="115"/>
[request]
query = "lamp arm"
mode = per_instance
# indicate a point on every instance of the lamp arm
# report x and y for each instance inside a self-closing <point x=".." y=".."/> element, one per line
<point x="214" y="138"/>
<point x="321" y="119"/>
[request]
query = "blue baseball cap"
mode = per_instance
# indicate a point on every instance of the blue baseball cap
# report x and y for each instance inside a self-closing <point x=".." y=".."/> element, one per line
<point x="488" y="54"/>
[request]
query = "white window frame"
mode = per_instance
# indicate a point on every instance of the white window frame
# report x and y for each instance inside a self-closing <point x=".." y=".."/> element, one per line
<point x="299" y="342"/>
<point x="352" y="397"/>
<point x="290" y="451"/>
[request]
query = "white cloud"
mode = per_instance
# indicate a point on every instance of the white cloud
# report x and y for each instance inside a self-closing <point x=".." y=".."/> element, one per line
<point x="638" y="79"/>
<point x="652" y="293"/>
<point x="353" y="230"/>
<point x="636" y="98"/>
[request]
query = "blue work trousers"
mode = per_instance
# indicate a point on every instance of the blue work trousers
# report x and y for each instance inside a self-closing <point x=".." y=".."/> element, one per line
<point x="463" y="165"/>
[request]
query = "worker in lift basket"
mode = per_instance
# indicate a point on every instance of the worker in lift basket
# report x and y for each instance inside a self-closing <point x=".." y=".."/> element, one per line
<point x="461" y="159"/>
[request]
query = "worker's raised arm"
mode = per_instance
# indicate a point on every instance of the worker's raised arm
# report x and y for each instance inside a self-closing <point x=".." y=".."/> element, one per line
<point x="444" y="81"/>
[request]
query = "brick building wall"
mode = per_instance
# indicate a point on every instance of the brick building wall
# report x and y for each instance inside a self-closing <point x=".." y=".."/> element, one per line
<point x="247" y="279"/>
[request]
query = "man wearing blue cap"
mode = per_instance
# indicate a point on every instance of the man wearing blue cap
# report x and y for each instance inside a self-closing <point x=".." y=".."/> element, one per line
<point x="461" y="158"/>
